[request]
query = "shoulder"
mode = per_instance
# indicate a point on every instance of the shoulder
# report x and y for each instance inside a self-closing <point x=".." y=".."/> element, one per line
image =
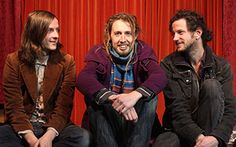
<point x="144" y="51"/>
<point x="221" y="63"/>
<point x="169" y="58"/>
<point x="13" y="58"/>
<point x="97" y="53"/>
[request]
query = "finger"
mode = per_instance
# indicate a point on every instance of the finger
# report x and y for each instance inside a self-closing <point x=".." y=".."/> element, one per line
<point x="124" y="110"/>
<point x="130" y="116"/>
<point x="126" y="116"/>
<point x="112" y="97"/>
<point x="116" y="104"/>
<point x="120" y="108"/>
<point x="134" y="115"/>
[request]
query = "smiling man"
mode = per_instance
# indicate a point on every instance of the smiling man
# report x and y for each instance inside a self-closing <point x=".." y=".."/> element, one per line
<point x="200" y="105"/>
<point x="38" y="85"/>
<point x="120" y="82"/>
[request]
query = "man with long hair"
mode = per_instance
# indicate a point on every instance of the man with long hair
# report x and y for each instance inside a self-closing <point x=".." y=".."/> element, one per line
<point x="120" y="82"/>
<point x="38" y="86"/>
<point x="200" y="105"/>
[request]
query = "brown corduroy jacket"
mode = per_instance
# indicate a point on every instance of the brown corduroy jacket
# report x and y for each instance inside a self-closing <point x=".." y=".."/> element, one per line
<point x="20" y="92"/>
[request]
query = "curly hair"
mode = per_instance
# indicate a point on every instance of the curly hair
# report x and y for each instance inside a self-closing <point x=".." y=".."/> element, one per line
<point x="34" y="32"/>
<point x="194" y="21"/>
<point x="131" y="19"/>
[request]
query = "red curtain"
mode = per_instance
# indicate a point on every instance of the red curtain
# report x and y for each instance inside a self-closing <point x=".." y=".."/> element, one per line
<point x="10" y="28"/>
<point x="229" y="35"/>
<point x="82" y="23"/>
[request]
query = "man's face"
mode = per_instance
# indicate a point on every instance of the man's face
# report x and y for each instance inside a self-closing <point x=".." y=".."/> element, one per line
<point x="51" y="39"/>
<point x="122" y="37"/>
<point x="183" y="38"/>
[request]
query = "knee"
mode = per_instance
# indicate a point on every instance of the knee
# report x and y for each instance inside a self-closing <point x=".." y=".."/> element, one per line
<point x="211" y="86"/>
<point x="77" y="135"/>
<point x="169" y="139"/>
<point x="83" y="137"/>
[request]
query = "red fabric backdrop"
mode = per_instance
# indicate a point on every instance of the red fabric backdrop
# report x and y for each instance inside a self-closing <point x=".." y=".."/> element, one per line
<point x="229" y="35"/>
<point x="82" y="24"/>
<point x="10" y="28"/>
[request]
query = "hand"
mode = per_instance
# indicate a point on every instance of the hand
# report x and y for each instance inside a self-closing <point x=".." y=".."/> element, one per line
<point x="131" y="115"/>
<point x="31" y="139"/>
<point x="207" y="141"/>
<point x="123" y="102"/>
<point x="47" y="138"/>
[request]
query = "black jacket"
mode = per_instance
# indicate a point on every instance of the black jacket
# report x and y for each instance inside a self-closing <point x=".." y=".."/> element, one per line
<point x="182" y="94"/>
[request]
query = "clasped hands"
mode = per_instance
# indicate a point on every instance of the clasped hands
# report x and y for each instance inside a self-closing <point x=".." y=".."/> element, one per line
<point x="124" y="104"/>
<point x="44" y="141"/>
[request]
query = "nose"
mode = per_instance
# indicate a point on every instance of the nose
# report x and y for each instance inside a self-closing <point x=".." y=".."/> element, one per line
<point x="55" y="34"/>
<point x="175" y="37"/>
<point x="122" y="38"/>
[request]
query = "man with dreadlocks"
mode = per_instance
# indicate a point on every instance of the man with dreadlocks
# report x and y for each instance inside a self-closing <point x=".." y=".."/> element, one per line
<point x="120" y="82"/>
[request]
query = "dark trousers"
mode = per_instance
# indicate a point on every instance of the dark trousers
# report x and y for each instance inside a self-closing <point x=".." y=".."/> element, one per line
<point x="71" y="136"/>
<point x="110" y="129"/>
<point x="207" y="116"/>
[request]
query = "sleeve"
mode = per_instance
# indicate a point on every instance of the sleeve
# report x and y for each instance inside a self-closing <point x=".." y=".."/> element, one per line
<point x="14" y="108"/>
<point x="155" y="79"/>
<point x="87" y="80"/>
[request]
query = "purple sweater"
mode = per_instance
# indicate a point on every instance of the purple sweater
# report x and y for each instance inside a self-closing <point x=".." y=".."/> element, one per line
<point x="97" y="71"/>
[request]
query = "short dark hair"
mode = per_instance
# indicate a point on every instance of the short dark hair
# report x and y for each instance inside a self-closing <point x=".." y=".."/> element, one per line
<point x="193" y="20"/>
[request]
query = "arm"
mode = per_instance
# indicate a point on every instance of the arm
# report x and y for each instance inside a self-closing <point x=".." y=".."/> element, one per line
<point x="12" y="89"/>
<point x="155" y="79"/>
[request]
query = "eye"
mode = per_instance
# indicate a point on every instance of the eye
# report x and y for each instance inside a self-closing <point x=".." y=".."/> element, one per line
<point x="117" y="33"/>
<point x="180" y="32"/>
<point x="128" y="33"/>
<point x="50" y="30"/>
<point x="58" y="30"/>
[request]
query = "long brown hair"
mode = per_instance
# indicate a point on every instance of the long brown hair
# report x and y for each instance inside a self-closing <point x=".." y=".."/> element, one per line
<point x="34" y="32"/>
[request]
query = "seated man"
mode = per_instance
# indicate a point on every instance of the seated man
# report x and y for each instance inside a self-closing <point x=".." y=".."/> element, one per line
<point x="120" y="82"/>
<point x="38" y="86"/>
<point x="200" y="105"/>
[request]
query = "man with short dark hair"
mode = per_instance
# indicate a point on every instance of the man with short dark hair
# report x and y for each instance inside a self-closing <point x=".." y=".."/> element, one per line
<point x="200" y="105"/>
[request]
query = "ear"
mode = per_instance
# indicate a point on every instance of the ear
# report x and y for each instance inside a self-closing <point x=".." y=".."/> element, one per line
<point x="198" y="33"/>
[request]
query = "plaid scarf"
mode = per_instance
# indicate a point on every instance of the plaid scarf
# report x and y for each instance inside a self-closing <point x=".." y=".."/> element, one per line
<point x="122" y="78"/>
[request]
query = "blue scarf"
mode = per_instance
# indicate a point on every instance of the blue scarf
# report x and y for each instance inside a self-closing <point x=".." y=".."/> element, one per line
<point x="122" y="78"/>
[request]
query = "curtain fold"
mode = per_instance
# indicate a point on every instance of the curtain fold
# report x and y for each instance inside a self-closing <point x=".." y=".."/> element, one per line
<point x="229" y="35"/>
<point x="82" y="23"/>
<point x="10" y="28"/>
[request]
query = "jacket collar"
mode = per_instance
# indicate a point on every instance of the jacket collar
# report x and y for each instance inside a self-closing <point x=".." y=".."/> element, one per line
<point x="52" y="75"/>
<point x="180" y="59"/>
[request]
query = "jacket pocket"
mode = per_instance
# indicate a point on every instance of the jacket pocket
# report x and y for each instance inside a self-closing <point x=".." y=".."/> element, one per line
<point x="101" y="71"/>
<point x="184" y="78"/>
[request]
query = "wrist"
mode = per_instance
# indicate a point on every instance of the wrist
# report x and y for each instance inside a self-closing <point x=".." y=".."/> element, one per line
<point x="200" y="137"/>
<point x="50" y="134"/>
<point x="30" y="138"/>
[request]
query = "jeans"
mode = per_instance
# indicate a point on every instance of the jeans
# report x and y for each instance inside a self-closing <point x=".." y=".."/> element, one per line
<point x="110" y="129"/>
<point x="70" y="136"/>
<point x="207" y="116"/>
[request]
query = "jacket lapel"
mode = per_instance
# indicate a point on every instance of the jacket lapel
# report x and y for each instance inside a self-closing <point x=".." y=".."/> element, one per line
<point x="30" y="79"/>
<point x="51" y="78"/>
